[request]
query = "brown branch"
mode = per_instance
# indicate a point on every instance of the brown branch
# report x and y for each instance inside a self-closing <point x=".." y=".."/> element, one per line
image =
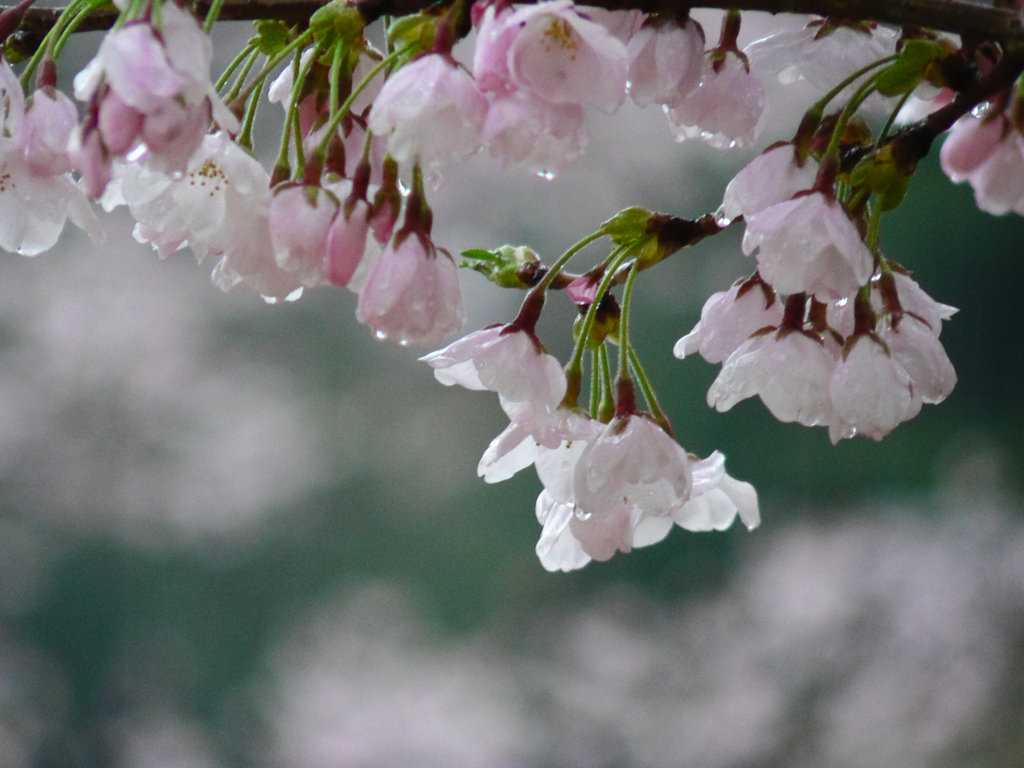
<point x="964" y="18"/>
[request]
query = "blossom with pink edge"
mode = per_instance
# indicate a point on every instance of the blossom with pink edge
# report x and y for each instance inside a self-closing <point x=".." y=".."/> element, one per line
<point x="769" y="179"/>
<point x="222" y="185"/>
<point x="300" y="220"/>
<point x="724" y="109"/>
<point x="34" y="207"/>
<point x="916" y="347"/>
<point x="870" y="391"/>
<point x="823" y="55"/>
<point x="522" y="130"/>
<point x="729" y="318"/>
<point x="809" y="245"/>
<point x="553" y="52"/>
<point x="412" y="293"/>
<point x="915" y="301"/>
<point x="717" y="498"/>
<point x="502" y="359"/>
<point x="989" y="154"/>
<point x="49" y="121"/>
<point x="430" y="110"/>
<point x="347" y="242"/>
<point x="790" y="371"/>
<point x="665" y="62"/>
<point x="632" y="462"/>
<point x="152" y="87"/>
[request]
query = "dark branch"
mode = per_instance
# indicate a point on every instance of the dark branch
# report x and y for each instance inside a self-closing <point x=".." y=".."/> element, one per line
<point x="967" y="19"/>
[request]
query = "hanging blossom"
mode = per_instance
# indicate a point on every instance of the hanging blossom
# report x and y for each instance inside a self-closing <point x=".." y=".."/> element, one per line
<point x="430" y="110"/>
<point x="665" y="62"/>
<point x="147" y="88"/>
<point x="988" y="153"/>
<point x="37" y="197"/>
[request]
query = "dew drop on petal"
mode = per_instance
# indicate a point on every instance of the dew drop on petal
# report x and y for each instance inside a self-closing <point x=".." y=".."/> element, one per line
<point x="380" y="335"/>
<point x="549" y="175"/>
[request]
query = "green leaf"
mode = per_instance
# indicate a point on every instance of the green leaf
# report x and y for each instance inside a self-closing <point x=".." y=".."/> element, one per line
<point x="480" y="253"/>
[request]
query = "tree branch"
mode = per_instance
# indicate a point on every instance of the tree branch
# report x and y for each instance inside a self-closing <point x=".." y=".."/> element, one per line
<point x="964" y="18"/>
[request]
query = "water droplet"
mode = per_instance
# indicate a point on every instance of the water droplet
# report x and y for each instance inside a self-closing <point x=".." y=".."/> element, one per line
<point x="549" y="175"/>
<point x="403" y="342"/>
<point x="295" y="295"/>
<point x="580" y="514"/>
<point x="721" y="219"/>
<point x="380" y="335"/>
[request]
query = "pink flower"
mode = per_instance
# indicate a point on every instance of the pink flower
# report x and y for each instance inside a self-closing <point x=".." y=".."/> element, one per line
<point x="504" y="360"/>
<point x="347" y="242"/>
<point x="916" y="347"/>
<point x="633" y="462"/>
<point x="412" y="293"/>
<point x="770" y="178"/>
<point x="544" y="138"/>
<point x="728" y="319"/>
<point x="554" y="53"/>
<point x="971" y="142"/>
<point x="150" y="86"/>
<point x="300" y="219"/>
<point x="724" y="110"/>
<point x="989" y="154"/>
<point x="430" y="110"/>
<point x="870" y="391"/>
<point x="809" y="245"/>
<point x="558" y="549"/>
<point x="665" y="62"/>
<point x="789" y="371"/>
<point x="50" y="119"/>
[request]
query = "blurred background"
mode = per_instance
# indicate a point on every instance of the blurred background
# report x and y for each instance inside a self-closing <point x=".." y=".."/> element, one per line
<point x="235" y="534"/>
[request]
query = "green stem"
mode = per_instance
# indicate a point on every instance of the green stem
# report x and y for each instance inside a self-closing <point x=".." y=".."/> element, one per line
<point x="874" y="222"/>
<point x="212" y="15"/>
<point x="645" y="387"/>
<point x="624" y="345"/>
<point x="884" y="133"/>
<point x="823" y="102"/>
<point x="595" y="380"/>
<point x="335" y="77"/>
<point x="47" y="45"/>
<point x="573" y="370"/>
<point x="851" y="107"/>
<point x="245" y="134"/>
<point x="235" y="63"/>
<point x="271" y="63"/>
<point x="606" y="410"/>
<point x="562" y="260"/>
<point x="343" y="111"/>
<point x="291" y="120"/>
<point x="240" y="80"/>
<point x="74" y="24"/>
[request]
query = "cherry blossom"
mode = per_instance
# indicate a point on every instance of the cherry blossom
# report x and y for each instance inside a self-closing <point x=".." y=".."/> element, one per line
<point x="412" y="293"/>
<point x="809" y="244"/>
<point x="717" y="498"/>
<point x="522" y="130"/>
<point x="729" y="318"/>
<point x="725" y="109"/>
<point x="505" y="360"/>
<point x="870" y="390"/>
<point x="553" y="52"/>
<point x="300" y="220"/>
<point x="789" y="371"/>
<point x="633" y="461"/>
<point x="430" y="110"/>
<point x="771" y="178"/>
<point x="665" y="62"/>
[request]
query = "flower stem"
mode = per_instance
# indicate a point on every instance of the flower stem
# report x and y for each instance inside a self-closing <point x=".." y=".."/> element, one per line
<point x="212" y="15"/>
<point x="235" y="64"/>
<point x="884" y="133"/>
<point x="606" y="410"/>
<point x="573" y="371"/>
<point x="562" y="260"/>
<point x="648" y="390"/>
<point x="343" y="111"/>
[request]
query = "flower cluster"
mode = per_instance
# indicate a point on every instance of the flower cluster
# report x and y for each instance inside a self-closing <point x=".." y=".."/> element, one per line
<point x="828" y="331"/>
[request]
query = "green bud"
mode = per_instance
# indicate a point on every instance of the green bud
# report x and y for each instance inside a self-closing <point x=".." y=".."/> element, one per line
<point x="506" y="266"/>
<point x="627" y="225"/>
<point x="271" y="35"/>
<point x="904" y="74"/>
<point x="336" y="21"/>
<point x="417" y="28"/>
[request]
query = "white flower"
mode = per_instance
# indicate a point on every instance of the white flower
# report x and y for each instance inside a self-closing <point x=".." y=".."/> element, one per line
<point x="505" y="360"/>
<point x="870" y="391"/>
<point x="543" y="137"/>
<point x="717" y="498"/>
<point x="558" y="549"/>
<point x="729" y="318"/>
<point x="770" y="178"/>
<point x="725" y="109"/>
<point x="412" y="293"/>
<point x="809" y="245"/>
<point x="430" y="110"/>
<point x="632" y="462"/>
<point x="665" y="62"/>
<point x="789" y="371"/>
